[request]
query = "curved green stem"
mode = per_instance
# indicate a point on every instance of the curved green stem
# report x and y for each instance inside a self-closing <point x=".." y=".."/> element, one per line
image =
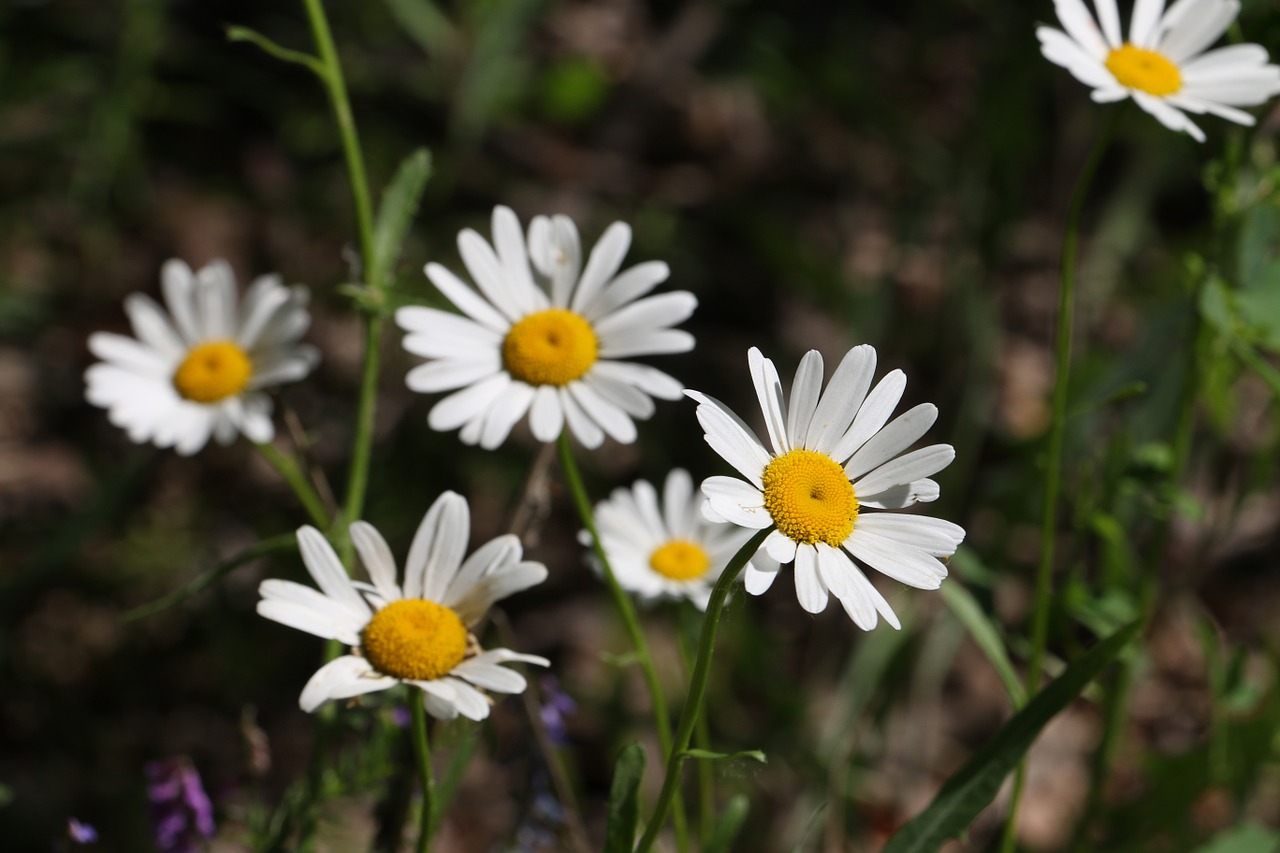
<point x="626" y="609"/>
<point x="335" y="85"/>
<point x="422" y="754"/>
<point x="1057" y="440"/>
<point x="697" y="686"/>
<point x="291" y="471"/>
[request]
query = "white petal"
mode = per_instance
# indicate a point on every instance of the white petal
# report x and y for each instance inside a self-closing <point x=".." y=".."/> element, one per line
<point x="464" y="405"/>
<point x="844" y="395"/>
<point x="508" y="240"/>
<point x="505" y="412"/>
<point x="1060" y="49"/>
<point x="901" y="496"/>
<point x="1143" y="25"/>
<point x="872" y="414"/>
<point x="469" y="702"/>
<point x="891" y="440"/>
<point x="606" y="257"/>
<point x="1200" y="26"/>
<point x="546" y="419"/>
<point x="1109" y="18"/>
<point x="907" y="468"/>
<point x="1169" y="116"/>
<point x="901" y="562"/>
<point x="511" y="300"/>
<point x="446" y="375"/>
<point x="581" y="427"/>
<point x="1082" y="27"/>
<point x="731" y="438"/>
<point x="151" y="326"/>
<point x="781" y="547"/>
<point x="934" y="536"/>
<point x="342" y="678"/>
<point x="646" y="341"/>
<point x="501" y="554"/>
<point x="805" y="389"/>
<point x="438" y="547"/>
<point x="678" y="511"/>
<point x="216" y="299"/>
<point x="628" y="287"/>
<point x="757" y="580"/>
<point x="810" y="591"/>
<point x="466" y="299"/>
<point x="838" y="573"/>
<point x="376" y="557"/>
<point x="648" y="379"/>
<point x="612" y="419"/>
<point x="327" y="570"/>
<point x="318" y="623"/>
<point x="556" y="252"/>
<point x="439" y="334"/>
<point x="130" y="355"/>
<point x="866" y="593"/>
<point x="737" y="502"/>
<point x="177" y="282"/>
<point x="764" y="377"/>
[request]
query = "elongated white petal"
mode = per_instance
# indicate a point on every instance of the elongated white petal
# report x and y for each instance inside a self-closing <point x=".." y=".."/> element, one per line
<point x="907" y="468"/>
<point x="810" y="590"/>
<point x="892" y="439"/>
<point x="438" y="547"/>
<point x="840" y="402"/>
<point x="342" y="678"/>
<point x="731" y="438"/>
<point x="375" y="554"/>
<point x="327" y="570"/>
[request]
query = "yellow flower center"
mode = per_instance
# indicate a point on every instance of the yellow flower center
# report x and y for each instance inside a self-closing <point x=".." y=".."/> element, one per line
<point x="809" y="497"/>
<point x="552" y="347"/>
<point x="680" y="560"/>
<point x="1144" y="70"/>
<point x="414" y="639"/>
<point x="213" y="371"/>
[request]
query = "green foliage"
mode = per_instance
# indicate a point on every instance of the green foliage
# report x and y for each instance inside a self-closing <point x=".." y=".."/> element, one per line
<point x="973" y="787"/>
<point x="624" y="800"/>
<point x="1247" y="838"/>
<point x="395" y="215"/>
<point x="728" y="823"/>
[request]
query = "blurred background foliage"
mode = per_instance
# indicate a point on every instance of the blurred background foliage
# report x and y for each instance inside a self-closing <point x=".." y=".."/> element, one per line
<point x="819" y="175"/>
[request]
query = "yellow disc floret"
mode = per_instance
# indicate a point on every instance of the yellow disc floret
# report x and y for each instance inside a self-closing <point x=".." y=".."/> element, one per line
<point x="680" y="560"/>
<point x="414" y="639"/>
<point x="552" y="347"/>
<point x="809" y="497"/>
<point x="1144" y="70"/>
<point x="213" y="371"/>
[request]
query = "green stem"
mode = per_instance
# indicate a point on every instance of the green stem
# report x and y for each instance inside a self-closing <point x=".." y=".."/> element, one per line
<point x="422" y="753"/>
<point x="291" y="471"/>
<point x="335" y="85"/>
<point x="1057" y="440"/>
<point x="697" y="686"/>
<point x="626" y="609"/>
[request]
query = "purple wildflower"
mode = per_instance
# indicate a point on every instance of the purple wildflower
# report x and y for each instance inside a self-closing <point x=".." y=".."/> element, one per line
<point x="181" y="813"/>
<point x="81" y="833"/>
<point x="556" y="705"/>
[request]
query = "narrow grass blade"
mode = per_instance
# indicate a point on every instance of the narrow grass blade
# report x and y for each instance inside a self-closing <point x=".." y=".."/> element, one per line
<point x="624" y="801"/>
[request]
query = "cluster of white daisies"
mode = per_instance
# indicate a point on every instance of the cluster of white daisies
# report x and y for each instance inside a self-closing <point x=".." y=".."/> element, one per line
<point x="547" y="335"/>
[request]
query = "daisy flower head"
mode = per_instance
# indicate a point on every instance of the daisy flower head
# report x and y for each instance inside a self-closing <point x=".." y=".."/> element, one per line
<point x="203" y="367"/>
<point x="545" y="335"/>
<point x="415" y="633"/>
<point x="1163" y="64"/>
<point x="665" y="548"/>
<point x="833" y="459"/>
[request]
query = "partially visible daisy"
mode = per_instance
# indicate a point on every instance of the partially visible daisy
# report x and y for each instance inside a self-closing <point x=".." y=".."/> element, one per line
<point x="416" y="634"/>
<point x="832" y="456"/>
<point x="665" y="549"/>
<point x="1162" y="65"/>
<point x="547" y="340"/>
<point x="203" y="368"/>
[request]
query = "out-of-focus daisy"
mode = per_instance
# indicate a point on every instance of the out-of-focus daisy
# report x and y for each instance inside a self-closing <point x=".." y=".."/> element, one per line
<point x="203" y="368"/>
<point x="549" y="338"/>
<point x="666" y="549"/>
<point x="832" y="456"/>
<point x="1163" y="65"/>
<point x="416" y="634"/>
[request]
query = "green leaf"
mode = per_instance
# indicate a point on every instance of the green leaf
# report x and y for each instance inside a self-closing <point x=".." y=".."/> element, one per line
<point x="987" y="637"/>
<point x="621" y="661"/>
<point x="624" y="801"/>
<point x="1249" y="838"/>
<point x="726" y="827"/>
<point x="975" y="785"/>
<point x="708" y="755"/>
<point x="395" y="215"/>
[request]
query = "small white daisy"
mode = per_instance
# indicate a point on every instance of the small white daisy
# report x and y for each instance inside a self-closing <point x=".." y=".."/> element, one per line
<point x="203" y="368"/>
<point x="547" y="340"/>
<point x="665" y="550"/>
<point x="832" y="457"/>
<point x="417" y="634"/>
<point x="1163" y="66"/>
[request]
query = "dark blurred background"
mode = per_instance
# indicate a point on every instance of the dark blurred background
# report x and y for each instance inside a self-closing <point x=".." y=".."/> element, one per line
<point x="819" y="175"/>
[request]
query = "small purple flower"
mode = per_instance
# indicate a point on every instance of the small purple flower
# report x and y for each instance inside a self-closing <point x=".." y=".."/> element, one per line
<point x="81" y="833"/>
<point x="401" y="717"/>
<point x="181" y="813"/>
<point x="556" y="705"/>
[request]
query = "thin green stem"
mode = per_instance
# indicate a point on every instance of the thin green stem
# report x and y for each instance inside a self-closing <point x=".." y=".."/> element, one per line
<point x="422" y="754"/>
<point x="291" y="471"/>
<point x="697" y="686"/>
<point x="1057" y="440"/>
<point x="335" y="85"/>
<point x="626" y="609"/>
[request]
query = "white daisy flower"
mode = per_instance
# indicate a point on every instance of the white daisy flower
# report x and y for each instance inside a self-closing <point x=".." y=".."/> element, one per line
<point x="547" y="340"/>
<point x="1163" y="65"/>
<point x="831" y="457"/>
<point x="416" y="634"/>
<point x="665" y="549"/>
<point x="202" y="368"/>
